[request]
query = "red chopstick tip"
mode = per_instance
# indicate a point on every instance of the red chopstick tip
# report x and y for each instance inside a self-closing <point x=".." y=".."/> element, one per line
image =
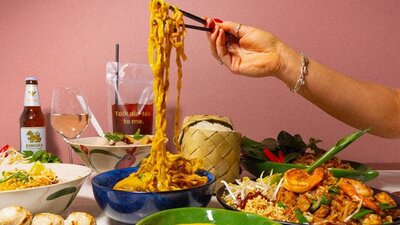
<point x="218" y="20"/>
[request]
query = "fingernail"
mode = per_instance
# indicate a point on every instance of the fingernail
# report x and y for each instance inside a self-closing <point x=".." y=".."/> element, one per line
<point x="212" y="26"/>
<point x="217" y="20"/>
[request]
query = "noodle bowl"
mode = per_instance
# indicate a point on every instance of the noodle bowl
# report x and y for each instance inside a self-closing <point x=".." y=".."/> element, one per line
<point x="52" y="198"/>
<point x="130" y="207"/>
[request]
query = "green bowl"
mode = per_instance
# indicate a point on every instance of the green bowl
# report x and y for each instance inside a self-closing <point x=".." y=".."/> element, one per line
<point x="197" y="215"/>
<point x="360" y="172"/>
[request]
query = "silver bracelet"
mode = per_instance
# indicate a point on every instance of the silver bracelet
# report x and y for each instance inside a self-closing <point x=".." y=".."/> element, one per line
<point x="303" y="71"/>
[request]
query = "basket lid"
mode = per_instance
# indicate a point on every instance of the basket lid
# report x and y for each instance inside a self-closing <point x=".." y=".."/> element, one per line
<point x="194" y="119"/>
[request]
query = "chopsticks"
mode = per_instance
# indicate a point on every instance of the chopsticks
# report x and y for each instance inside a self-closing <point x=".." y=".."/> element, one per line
<point x="198" y="28"/>
<point x="189" y="15"/>
<point x="195" y="18"/>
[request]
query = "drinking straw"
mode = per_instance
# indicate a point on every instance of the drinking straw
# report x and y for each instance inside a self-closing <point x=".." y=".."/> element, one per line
<point x="116" y="73"/>
<point x="116" y="81"/>
<point x="93" y="119"/>
<point x="144" y="97"/>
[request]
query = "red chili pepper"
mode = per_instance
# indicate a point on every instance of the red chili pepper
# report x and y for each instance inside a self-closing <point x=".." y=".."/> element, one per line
<point x="4" y="148"/>
<point x="281" y="156"/>
<point x="271" y="156"/>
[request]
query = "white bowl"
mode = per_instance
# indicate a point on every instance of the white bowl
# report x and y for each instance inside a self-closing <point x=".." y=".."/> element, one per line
<point x="102" y="158"/>
<point x="53" y="198"/>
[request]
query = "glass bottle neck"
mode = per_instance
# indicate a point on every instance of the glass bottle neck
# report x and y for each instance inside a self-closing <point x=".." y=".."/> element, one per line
<point x="31" y="95"/>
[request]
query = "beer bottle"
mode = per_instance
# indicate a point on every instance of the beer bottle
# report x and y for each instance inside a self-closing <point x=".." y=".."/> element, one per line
<point x="32" y="121"/>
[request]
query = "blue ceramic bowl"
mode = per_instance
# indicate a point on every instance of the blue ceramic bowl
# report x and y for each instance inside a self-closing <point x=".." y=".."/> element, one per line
<point x="130" y="207"/>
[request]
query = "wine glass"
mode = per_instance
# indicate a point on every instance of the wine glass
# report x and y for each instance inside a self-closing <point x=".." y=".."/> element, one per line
<point x="69" y="113"/>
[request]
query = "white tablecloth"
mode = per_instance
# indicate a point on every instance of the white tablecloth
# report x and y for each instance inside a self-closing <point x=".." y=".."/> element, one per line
<point x="388" y="180"/>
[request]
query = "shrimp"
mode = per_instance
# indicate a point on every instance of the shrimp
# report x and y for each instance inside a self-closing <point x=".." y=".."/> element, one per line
<point x="299" y="181"/>
<point x="359" y="192"/>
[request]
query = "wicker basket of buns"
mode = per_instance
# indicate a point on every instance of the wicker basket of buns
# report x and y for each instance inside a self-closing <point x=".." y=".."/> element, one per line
<point x="214" y="140"/>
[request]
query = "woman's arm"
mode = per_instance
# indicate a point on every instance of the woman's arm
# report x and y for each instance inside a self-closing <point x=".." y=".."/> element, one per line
<point x="258" y="53"/>
<point x="360" y="104"/>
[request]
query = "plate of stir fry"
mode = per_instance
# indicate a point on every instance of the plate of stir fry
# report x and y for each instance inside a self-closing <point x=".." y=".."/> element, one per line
<point x="299" y="197"/>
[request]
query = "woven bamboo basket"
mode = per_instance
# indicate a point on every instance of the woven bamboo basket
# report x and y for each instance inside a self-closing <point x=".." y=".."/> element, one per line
<point x="219" y="150"/>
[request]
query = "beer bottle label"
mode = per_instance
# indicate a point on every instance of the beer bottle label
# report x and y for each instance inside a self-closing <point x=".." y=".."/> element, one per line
<point x="33" y="139"/>
<point x="31" y="95"/>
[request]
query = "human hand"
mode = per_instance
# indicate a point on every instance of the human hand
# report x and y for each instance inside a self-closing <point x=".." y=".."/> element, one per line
<point x="247" y="51"/>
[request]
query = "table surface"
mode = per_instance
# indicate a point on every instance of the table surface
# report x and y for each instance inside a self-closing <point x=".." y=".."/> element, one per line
<point x="388" y="180"/>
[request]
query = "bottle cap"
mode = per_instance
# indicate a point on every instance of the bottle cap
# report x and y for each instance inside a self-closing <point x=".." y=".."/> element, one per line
<point x="31" y="78"/>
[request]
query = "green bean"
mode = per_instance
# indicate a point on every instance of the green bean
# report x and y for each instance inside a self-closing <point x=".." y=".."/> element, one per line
<point x="362" y="213"/>
<point x="339" y="146"/>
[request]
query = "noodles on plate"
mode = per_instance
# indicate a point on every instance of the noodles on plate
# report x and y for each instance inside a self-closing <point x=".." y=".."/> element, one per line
<point x="18" y="179"/>
<point x="162" y="170"/>
<point x="330" y="200"/>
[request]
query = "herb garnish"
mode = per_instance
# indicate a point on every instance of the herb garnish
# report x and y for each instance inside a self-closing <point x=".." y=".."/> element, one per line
<point x="291" y="146"/>
<point x="42" y="156"/>
<point x="20" y="175"/>
<point x="115" y="136"/>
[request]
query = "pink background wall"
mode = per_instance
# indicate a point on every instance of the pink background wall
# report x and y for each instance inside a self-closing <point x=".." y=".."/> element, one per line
<point x="68" y="43"/>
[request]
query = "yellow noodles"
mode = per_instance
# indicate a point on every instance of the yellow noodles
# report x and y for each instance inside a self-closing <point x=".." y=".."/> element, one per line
<point x="18" y="179"/>
<point x="163" y="171"/>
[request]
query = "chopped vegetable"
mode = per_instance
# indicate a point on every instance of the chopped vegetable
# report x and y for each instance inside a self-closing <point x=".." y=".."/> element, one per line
<point x="282" y="205"/>
<point x="272" y="157"/>
<point x="4" y="148"/>
<point x="137" y="134"/>
<point x="385" y="206"/>
<point x="300" y="217"/>
<point x="334" y="190"/>
<point x="137" y="138"/>
<point x="273" y="178"/>
<point x="325" y="200"/>
<point x="281" y="156"/>
<point x="115" y="136"/>
<point x="362" y="213"/>
<point x="19" y="175"/>
<point x="315" y="205"/>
